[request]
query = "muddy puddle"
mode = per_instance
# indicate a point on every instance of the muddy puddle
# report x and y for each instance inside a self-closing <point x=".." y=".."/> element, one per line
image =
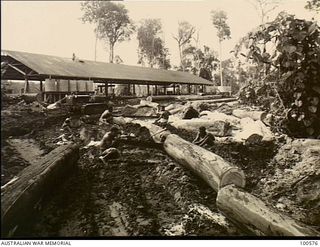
<point x="28" y="149"/>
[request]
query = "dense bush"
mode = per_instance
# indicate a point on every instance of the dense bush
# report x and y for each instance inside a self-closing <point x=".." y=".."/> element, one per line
<point x="287" y="51"/>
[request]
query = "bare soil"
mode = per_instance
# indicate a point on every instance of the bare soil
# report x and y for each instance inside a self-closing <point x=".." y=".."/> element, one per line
<point x="145" y="193"/>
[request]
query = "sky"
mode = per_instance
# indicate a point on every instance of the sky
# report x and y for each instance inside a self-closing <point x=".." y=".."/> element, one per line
<point x="55" y="27"/>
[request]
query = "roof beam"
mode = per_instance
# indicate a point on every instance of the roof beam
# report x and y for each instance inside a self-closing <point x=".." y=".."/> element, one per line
<point x="17" y="69"/>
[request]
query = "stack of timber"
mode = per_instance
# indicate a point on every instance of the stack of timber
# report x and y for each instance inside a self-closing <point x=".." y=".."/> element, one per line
<point x="21" y="197"/>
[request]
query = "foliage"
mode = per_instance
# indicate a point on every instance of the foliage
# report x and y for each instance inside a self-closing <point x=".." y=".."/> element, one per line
<point x="112" y="21"/>
<point x="290" y="48"/>
<point x="229" y="72"/>
<point x="184" y="36"/>
<point x="151" y="46"/>
<point x="313" y="5"/>
<point x="219" y="21"/>
<point x="201" y="62"/>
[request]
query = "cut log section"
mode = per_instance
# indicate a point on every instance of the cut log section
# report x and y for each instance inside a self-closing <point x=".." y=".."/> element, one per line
<point x="253" y="132"/>
<point x="209" y="166"/>
<point x="255" y="115"/>
<point x="19" y="199"/>
<point x="252" y="213"/>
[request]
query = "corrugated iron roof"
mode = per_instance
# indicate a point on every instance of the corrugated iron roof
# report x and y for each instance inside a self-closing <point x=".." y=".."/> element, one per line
<point x="58" y="67"/>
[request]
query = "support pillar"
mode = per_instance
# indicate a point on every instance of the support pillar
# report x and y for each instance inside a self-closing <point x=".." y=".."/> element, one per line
<point x="174" y="89"/>
<point x="106" y="89"/>
<point x="148" y="89"/>
<point x="26" y="85"/>
<point x="156" y="93"/>
<point x="41" y="90"/>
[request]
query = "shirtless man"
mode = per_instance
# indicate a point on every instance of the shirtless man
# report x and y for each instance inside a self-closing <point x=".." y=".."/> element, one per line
<point x="203" y="138"/>
<point x="110" y="138"/>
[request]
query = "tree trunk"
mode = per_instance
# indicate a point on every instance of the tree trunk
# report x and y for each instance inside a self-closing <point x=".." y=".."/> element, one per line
<point x="252" y="213"/>
<point x="95" y="48"/>
<point x="20" y="198"/>
<point x="221" y="78"/>
<point x="111" y="52"/>
<point x="181" y="60"/>
<point x="216" y="127"/>
<point x="157" y="133"/>
<point x="209" y="166"/>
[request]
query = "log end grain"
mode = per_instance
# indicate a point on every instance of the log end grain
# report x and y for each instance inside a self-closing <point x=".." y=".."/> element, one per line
<point x="234" y="176"/>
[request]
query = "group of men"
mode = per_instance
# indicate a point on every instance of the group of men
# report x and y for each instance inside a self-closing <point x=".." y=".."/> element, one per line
<point x="109" y="142"/>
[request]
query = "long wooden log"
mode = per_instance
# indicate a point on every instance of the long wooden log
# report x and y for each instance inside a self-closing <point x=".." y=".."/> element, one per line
<point x="212" y="168"/>
<point x="20" y="197"/>
<point x="253" y="132"/>
<point x="255" y="115"/>
<point x="157" y="133"/>
<point x="252" y="213"/>
<point x="216" y="127"/>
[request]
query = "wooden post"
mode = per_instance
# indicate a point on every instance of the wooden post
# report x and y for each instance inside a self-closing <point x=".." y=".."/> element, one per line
<point x="165" y="90"/>
<point x="148" y="89"/>
<point x="69" y="88"/>
<point x="26" y="85"/>
<point x="133" y="89"/>
<point x="156" y="93"/>
<point x="174" y="89"/>
<point x="129" y="89"/>
<point x="106" y="88"/>
<point x="189" y="89"/>
<point x="41" y="86"/>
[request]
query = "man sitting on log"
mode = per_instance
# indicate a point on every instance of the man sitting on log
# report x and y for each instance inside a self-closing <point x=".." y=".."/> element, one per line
<point x="190" y="113"/>
<point x="106" y="117"/>
<point x="109" y="143"/>
<point x="110" y="139"/>
<point x="203" y="138"/>
<point x="163" y="119"/>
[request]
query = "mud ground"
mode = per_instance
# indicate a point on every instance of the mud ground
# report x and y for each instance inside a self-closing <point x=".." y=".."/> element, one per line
<point x="145" y="193"/>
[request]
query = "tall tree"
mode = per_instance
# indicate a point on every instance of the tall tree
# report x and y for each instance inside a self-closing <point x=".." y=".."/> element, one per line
<point x="264" y="8"/>
<point x="219" y="21"/>
<point x="184" y="36"/>
<point x="151" y="45"/>
<point x="112" y="22"/>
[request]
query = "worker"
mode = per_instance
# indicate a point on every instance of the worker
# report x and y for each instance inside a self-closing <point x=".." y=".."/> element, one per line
<point x="190" y="113"/>
<point x="66" y="126"/>
<point x="163" y="118"/>
<point x="110" y="139"/>
<point x="106" y="117"/>
<point x="203" y="138"/>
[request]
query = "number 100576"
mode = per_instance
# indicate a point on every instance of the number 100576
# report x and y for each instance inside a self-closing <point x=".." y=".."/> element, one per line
<point x="309" y="243"/>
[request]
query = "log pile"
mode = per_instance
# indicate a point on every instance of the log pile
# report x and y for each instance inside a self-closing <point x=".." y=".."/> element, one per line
<point x="20" y="198"/>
